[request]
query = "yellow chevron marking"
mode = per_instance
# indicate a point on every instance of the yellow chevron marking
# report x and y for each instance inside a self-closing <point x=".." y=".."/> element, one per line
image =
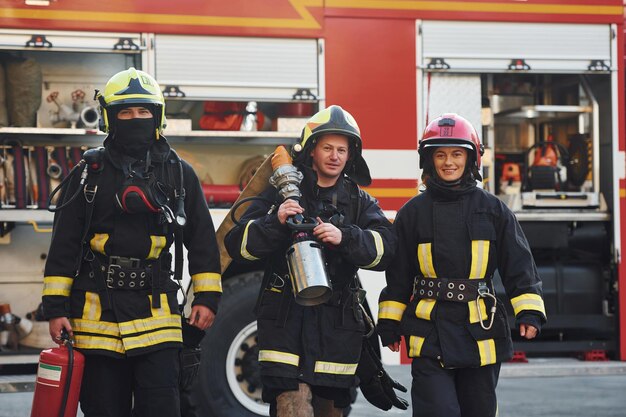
<point x="305" y="21"/>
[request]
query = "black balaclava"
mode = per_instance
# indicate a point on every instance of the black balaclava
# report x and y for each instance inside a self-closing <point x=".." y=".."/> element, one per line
<point x="134" y="137"/>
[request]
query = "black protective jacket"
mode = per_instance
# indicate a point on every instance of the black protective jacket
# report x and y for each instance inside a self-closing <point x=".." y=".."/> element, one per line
<point x="321" y="344"/>
<point x="458" y="235"/>
<point x="122" y="321"/>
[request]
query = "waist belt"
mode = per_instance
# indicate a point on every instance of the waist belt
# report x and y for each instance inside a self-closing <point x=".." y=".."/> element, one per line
<point x="128" y="273"/>
<point x="446" y="289"/>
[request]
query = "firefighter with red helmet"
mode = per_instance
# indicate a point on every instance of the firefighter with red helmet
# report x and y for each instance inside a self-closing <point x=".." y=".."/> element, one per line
<point x="309" y="354"/>
<point x="440" y="294"/>
<point x="107" y="279"/>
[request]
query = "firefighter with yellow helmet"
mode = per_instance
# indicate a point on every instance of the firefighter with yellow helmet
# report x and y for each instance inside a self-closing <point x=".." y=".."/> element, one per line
<point x="108" y="275"/>
<point x="440" y="294"/>
<point x="309" y="353"/>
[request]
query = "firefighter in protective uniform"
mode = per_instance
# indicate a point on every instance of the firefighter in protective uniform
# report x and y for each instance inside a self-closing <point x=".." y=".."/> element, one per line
<point x="108" y="279"/>
<point x="309" y="354"/>
<point x="440" y="295"/>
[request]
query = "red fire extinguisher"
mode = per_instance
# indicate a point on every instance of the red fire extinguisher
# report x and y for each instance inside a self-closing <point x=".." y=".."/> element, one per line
<point x="59" y="375"/>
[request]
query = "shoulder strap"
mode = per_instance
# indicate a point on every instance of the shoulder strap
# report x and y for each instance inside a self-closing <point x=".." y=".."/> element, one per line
<point x="94" y="170"/>
<point x="179" y="196"/>
<point x="355" y="201"/>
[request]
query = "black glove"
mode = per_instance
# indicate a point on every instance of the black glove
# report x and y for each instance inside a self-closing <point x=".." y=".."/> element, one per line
<point x="389" y="331"/>
<point x="376" y="385"/>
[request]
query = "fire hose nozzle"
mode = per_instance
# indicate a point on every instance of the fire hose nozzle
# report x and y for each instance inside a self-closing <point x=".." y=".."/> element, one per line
<point x="286" y="178"/>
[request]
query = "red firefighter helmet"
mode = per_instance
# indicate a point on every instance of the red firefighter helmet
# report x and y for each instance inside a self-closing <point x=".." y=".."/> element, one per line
<point x="450" y="129"/>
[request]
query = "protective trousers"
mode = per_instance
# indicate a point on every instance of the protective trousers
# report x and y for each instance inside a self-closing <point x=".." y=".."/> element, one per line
<point x="462" y="392"/>
<point x="110" y="385"/>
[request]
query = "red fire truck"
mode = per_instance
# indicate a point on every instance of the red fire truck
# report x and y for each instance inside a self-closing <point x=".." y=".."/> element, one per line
<point x="542" y="79"/>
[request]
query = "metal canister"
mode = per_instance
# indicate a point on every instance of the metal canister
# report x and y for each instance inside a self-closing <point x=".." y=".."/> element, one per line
<point x="307" y="269"/>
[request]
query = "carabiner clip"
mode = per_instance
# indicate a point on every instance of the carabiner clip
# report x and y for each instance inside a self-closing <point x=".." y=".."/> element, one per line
<point x="483" y="292"/>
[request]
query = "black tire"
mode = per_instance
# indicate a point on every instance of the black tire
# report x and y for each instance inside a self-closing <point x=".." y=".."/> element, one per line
<point x="223" y="362"/>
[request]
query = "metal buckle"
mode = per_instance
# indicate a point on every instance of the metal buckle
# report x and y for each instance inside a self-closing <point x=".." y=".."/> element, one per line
<point x="124" y="262"/>
<point x="110" y="273"/>
<point x="90" y="194"/>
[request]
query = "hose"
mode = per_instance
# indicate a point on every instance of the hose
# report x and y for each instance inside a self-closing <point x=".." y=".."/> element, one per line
<point x="65" y="338"/>
<point x="242" y="201"/>
<point x="63" y="184"/>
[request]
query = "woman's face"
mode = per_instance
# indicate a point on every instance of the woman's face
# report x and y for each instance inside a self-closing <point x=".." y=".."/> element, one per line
<point x="450" y="162"/>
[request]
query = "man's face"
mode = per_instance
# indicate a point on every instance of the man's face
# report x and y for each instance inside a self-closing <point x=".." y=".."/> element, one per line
<point x="450" y="162"/>
<point x="128" y="113"/>
<point x="330" y="155"/>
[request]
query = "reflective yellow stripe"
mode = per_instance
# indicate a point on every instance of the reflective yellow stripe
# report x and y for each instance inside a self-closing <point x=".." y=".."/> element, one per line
<point x="480" y="258"/>
<point x="57" y="286"/>
<point x="164" y="310"/>
<point x="207" y="281"/>
<point x="380" y="249"/>
<point x="424" y="308"/>
<point x="98" y="241"/>
<point x="279" y="357"/>
<point x="244" y="243"/>
<point x="158" y="243"/>
<point x="98" y="342"/>
<point x="391" y="310"/>
<point x="473" y="311"/>
<point x="335" y="368"/>
<point x="153" y="338"/>
<point x="150" y="323"/>
<point x="425" y="259"/>
<point x="415" y="346"/>
<point x="528" y="302"/>
<point x="99" y="327"/>
<point x="92" y="309"/>
<point x="487" y="351"/>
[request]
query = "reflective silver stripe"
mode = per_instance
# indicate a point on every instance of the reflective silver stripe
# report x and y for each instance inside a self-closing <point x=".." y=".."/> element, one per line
<point x="415" y="346"/>
<point x="153" y="338"/>
<point x="149" y="324"/>
<point x="335" y="368"/>
<point x="380" y="249"/>
<point x="532" y="302"/>
<point x="98" y="241"/>
<point x="156" y="246"/>
<point x="244" y="244"/>
<point x="487" y="351"/>
<point x="480" y="258"/>
<point x="280" y="357"/>
<point x="97" y="342"/>
<point x="425" y="259"/>
<point x="92" y="309"/>
<point x="98" y="327"/>
<point x="207" y="281"/>
<point x="391" y="310"/>
<point x="53" y="285"/>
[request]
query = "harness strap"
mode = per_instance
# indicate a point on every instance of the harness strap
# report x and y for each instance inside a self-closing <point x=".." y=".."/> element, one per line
<point x="90" y="190"/>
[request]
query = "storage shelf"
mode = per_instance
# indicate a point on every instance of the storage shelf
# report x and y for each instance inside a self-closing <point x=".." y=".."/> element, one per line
<point x="90" y="137"/>
<point x="541" y="113"/>
<point x="26" y="215"/>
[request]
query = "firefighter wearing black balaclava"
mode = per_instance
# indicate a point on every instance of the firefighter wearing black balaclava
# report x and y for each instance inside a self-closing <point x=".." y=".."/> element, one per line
<point x="108" y="279"/>
<point x="309" y="354"/>
<point x="440" y="295"/>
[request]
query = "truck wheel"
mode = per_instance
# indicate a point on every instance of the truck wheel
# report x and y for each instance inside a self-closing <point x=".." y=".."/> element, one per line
<point x="229" y="383"/>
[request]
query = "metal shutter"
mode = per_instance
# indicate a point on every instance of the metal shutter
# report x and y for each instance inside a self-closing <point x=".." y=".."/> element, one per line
<point x="494" y="46"/>
<point x="50" y="40"/>
<point x="237" y="68"/>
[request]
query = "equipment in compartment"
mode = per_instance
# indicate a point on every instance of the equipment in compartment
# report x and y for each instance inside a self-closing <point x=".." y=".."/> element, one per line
<point x="23" y="90"/>
<point x="27" y="174"/>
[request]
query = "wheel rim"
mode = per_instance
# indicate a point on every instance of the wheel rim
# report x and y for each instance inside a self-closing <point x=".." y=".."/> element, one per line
<point x="242" y="370"/>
